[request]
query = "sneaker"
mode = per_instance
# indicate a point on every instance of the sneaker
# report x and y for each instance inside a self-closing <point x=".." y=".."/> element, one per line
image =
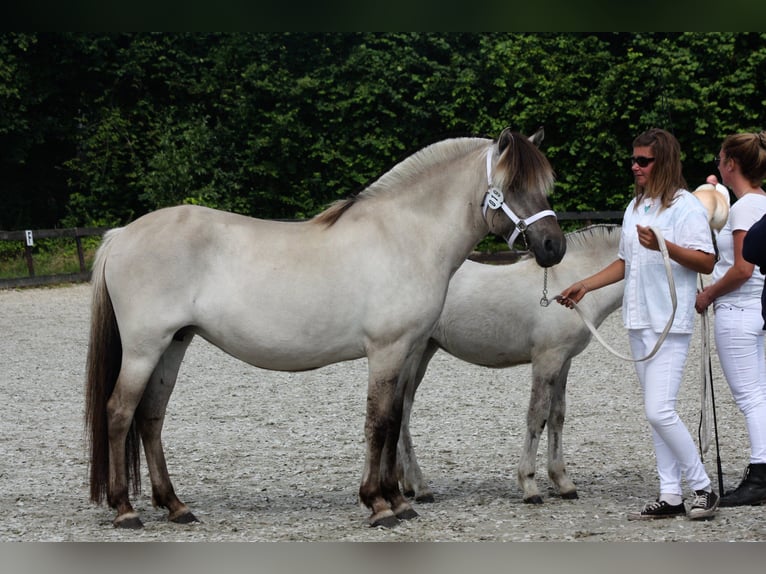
<point x="659" y="509"/>
<point x="704" y="505"/>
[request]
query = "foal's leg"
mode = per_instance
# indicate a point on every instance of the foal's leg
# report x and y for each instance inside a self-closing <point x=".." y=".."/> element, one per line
<point x="546" y="367"/>
<point x="150" y="417"/>
<point x="407" y="468"/>
<point x="537" y="411"/>
<point x="557" y="470"/>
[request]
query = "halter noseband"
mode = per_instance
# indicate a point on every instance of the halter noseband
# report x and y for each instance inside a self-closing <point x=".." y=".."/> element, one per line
<point x="494" y="199"/>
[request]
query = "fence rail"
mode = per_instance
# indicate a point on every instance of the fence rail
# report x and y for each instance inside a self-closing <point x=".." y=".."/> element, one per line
<point x="29" y="236"/>
<point x="77" y="233"/>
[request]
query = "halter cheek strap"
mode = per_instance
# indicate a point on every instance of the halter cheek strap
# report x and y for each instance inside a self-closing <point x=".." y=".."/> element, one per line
<point x="494" y="199"/>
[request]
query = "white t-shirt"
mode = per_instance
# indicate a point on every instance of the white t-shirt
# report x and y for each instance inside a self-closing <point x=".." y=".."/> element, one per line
<point x="746" y="210"/>
<point x="646" y="302"/>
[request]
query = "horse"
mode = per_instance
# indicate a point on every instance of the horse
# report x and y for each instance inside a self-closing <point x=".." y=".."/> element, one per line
<point x="367" y="277"/>
<point x="715" y="199"/>
<point x="492" y="317"/>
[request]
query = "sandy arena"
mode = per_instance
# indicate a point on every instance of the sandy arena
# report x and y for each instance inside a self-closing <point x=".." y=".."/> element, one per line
<point x="267" y="456"/>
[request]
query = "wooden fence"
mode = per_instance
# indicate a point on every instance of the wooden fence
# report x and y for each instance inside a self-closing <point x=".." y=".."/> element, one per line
<point x="33" y="280"/>
<point x="28" y="238"/>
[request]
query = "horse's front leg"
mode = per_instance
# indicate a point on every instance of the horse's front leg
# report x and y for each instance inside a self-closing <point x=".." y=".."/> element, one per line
<point x="557" y="470"/>
<point x="379" y="490"/>
<point x="537" y="412"/>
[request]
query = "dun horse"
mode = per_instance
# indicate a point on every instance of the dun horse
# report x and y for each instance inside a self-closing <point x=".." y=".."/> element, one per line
<point x="367" y="277"/>
<point x="492" y="317"/>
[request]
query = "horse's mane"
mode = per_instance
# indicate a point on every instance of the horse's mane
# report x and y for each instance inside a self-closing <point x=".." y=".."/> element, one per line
<point x="404" y="172"/>
<point x="583" y="238"/>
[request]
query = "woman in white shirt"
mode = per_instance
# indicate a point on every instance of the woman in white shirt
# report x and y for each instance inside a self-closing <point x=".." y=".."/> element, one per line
<point x="735" y="293"/>
<point x="661" y="201"/>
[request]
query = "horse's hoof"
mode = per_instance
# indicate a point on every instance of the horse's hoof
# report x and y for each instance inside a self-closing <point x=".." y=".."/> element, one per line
<point x="570" y="495"/>
<point x="407" y="514"/>
<point x="427" y="498"/>
<point x="129" y="520"/>
<point x="185" y="518"/>
<point x="386" y="522"/>
<point x="536" y="499"/>
<point x="409" y="493"/>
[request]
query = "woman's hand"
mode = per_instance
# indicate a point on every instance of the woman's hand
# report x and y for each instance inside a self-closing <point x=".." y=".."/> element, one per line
<point x="704" y="300"/>
<point x="572" y="294"/>
<point x="647" y="238"/>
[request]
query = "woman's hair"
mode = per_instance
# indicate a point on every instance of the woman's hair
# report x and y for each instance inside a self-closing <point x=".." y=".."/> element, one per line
<point x="666" y="177"/>
<point x="749" y="151"/>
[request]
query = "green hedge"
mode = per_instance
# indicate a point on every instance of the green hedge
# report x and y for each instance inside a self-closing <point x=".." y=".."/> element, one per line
<point x="96" y="129"/>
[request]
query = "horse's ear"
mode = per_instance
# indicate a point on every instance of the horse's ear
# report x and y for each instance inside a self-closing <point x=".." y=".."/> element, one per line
<point x="537" y="137"/>
<point x="506" y="137"/>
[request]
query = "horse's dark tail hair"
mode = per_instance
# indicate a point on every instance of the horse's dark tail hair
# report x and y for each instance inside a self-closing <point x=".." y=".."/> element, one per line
<point x="102" y="369"/>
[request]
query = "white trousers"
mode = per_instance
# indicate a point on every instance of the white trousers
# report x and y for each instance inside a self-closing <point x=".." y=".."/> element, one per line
<point x="660" y="379"/>
<point x="739" y="340"/>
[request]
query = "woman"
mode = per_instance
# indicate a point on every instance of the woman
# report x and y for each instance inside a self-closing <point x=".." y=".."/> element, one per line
<point x="735" y="293"/>
<point x="661" y="201"/>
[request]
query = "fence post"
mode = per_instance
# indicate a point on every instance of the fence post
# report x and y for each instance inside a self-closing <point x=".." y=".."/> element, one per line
<point x="28" y="243"/>
<point x="80" y="253"/>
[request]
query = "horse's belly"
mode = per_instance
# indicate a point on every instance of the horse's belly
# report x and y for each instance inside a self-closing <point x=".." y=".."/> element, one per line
<point x="291" y="360"/>
<point x="269" y="347"/>
<point x="490" y="355"/>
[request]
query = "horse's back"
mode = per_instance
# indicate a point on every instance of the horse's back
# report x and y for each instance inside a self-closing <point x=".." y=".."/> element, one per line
<point x="263" y="291"/>
<point x="190" y="245"/>
<point x="492" y="315"/>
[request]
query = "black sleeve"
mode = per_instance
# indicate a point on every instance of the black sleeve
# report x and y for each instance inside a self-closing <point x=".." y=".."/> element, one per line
<point x="754" y="246"/>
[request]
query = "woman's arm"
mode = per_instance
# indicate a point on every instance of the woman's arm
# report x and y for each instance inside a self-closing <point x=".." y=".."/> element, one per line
<point x="754" y="244"/>
<point x="732" y="279"/>
<point x="693" y="259"/>
<point x="612" y="273"/>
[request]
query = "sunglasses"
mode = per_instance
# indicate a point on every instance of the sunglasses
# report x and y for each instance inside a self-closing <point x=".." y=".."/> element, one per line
<point x="717" y="160"/>
<point x="641" y="160"/>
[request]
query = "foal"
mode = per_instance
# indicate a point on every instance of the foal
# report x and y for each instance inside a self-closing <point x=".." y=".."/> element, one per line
<point x="493" y="318"/>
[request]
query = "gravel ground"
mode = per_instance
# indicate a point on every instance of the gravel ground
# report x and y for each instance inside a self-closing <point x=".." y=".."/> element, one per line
<point x="265" y="456"/>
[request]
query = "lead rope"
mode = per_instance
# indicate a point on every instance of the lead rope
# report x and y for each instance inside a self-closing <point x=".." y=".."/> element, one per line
<point x="671" y="286"/>
<point x="706" y="376"/>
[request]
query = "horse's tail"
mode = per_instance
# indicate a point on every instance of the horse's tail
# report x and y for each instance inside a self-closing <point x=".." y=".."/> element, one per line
<point x="102" y="368"/>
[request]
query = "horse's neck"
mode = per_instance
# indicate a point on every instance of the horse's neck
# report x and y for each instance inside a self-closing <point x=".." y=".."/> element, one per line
<point x="438" y="210"/>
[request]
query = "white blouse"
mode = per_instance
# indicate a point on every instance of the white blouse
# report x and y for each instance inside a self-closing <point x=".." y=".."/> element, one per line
<point x="746" y="210"/>
<point x="646" y="302"/>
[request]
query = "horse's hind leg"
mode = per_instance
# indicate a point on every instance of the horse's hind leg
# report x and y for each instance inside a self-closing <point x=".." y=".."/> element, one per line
<point x="150" y="417"/>
<point x="557" y="470"/>
<point x="123" y="458"/>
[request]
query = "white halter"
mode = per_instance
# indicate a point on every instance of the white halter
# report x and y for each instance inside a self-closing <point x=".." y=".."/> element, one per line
<point x="494" y="199"/>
